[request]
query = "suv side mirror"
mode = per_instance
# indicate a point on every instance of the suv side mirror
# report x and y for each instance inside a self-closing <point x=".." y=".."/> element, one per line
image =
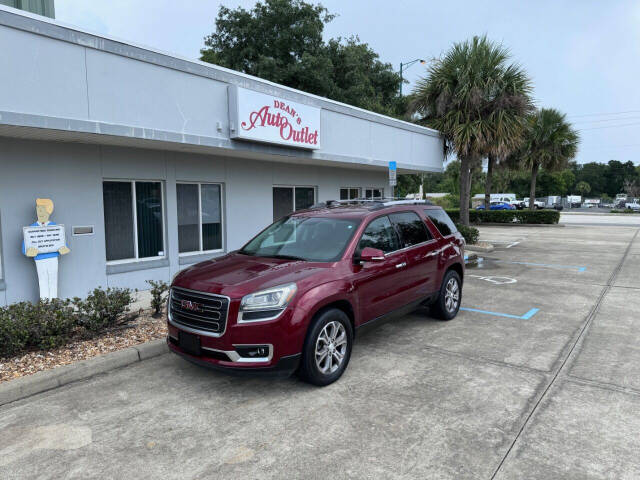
<point x="369" y="254"/>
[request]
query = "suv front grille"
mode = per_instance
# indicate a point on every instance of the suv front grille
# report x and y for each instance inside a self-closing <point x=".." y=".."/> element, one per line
<point x="199" y="310"/>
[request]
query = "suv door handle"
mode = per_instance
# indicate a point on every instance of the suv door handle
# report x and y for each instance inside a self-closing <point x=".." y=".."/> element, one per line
<point x="400" y="265"/>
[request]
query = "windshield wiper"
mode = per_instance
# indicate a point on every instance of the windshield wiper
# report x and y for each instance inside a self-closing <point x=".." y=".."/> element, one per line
<point x="245" y="252"/>
<point x="287" y="257"/>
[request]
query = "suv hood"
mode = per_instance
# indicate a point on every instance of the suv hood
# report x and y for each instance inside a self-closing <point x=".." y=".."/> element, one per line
<point x="236" y="275"/>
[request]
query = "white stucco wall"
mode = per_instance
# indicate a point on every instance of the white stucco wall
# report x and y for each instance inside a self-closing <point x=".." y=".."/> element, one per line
<point x="72" y="175"/>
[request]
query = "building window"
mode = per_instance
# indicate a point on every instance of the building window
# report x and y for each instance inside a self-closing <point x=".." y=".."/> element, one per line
<point x="349" y="193"/>
<point x="199" y="217"/>
<point x="290" y="199"/>
<point x="133" y="219"/>
<point x="373" y="193"/>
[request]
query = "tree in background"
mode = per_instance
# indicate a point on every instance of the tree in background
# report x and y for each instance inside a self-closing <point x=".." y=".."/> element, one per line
<point x="549" y="144"/>
<point x="281" y="41"/>
<point x="513" y="90"/>
<point x="632" y="188"/>
<point x="583" y="188"/>
<point x="465" y="98"/>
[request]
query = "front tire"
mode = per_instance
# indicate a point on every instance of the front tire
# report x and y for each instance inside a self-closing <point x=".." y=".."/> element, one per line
<point x="327" y="348"/>
<point x="448" y="303"/>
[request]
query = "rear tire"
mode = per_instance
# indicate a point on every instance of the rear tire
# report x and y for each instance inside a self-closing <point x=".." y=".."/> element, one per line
<point x="447" y="304"/>
<point x="327" y="348"/>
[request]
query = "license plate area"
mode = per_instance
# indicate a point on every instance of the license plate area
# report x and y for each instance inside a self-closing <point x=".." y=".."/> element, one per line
<point x="190" y="343"/>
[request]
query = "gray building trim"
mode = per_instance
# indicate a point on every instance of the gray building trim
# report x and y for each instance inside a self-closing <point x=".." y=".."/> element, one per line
<point x="191" y="259"/>
<point x="41" y="127"/>
<point x="135" y="266"/>
<point x="49" y="28"/>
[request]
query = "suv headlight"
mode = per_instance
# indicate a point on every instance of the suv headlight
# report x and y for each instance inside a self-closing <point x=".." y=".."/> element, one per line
<point x="274" y="298"/>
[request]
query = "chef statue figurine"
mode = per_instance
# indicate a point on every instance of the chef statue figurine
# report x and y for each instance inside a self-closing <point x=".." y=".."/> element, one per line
<point x="46" y="263"/>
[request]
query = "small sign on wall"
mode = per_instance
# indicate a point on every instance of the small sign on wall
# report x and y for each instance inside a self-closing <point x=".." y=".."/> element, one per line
<point x="264" y="118"/>
<point x="45" y="239"/>
<point x="393" y="174"/>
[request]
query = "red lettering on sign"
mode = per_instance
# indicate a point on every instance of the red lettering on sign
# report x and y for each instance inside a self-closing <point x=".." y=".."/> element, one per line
<point x="264" y="117"/>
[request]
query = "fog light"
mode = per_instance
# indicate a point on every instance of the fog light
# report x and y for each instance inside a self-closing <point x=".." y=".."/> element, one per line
<point x="253" y="351"/>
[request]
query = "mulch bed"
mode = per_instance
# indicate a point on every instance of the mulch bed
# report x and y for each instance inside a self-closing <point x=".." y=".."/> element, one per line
<point x="141" y="329"/>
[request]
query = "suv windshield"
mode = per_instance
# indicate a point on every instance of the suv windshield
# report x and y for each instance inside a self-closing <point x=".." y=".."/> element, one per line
<point x="315" y="239"/>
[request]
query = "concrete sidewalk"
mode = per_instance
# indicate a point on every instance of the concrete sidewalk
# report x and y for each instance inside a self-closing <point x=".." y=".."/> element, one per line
<point x="494" y="393"/>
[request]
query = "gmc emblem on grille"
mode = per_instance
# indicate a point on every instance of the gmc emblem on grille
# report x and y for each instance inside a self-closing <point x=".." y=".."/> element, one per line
<point x="189" y="305"/>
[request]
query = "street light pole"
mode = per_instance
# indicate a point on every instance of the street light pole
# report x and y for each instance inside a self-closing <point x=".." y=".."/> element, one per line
<point x="406" y="65"/>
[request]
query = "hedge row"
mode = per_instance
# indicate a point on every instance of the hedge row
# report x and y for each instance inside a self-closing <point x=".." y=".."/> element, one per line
<point x="626" y="210"/>
<point x="508" y="216"/>
<point x="52" y="323"/>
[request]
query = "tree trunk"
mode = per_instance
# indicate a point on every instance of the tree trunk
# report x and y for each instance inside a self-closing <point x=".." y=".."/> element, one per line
<point x="487" y="184"/>
<point x="465" y="182"/>
<point x="532" y="191"/>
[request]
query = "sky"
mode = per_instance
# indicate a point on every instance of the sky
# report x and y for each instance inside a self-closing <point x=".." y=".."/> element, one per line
<point x="583" y="56"/>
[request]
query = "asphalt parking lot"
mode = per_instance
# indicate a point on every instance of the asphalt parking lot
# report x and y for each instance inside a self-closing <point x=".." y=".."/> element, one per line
<point x="538" y="378"/>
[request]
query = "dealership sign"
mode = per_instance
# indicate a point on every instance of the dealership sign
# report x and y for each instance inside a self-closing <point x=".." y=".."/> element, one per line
<point x="264" y="118"/>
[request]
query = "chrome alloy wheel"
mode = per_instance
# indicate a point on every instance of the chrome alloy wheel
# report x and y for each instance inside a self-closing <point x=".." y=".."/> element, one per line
<point x="331" y="347"/>
<point x="451" y="295"/>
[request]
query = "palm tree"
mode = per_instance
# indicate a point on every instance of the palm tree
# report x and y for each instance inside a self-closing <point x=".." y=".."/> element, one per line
<point x="550" y="142"/>
<point x="511" y="124"/>
<point x="476" y="100"/>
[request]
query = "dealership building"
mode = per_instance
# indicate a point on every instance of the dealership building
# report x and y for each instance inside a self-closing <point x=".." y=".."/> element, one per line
<point x="155" y="162"/>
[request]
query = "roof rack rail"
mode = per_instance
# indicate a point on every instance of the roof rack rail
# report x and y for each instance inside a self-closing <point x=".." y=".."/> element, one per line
<point x="377" y="202"/>
<point x="406" y="202"/>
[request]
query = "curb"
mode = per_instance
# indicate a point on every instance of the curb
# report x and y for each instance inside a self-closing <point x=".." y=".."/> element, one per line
<point x="491" y="224"/>
<point x="477" y="248"/>
<point x="42" y="381"/>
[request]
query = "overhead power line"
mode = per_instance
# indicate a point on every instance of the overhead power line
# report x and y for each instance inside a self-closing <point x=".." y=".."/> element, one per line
<point x="609" y="126"/>
<point x="587" y="147"/>
<point x="607" y="120"/>
<point x="602" y="114"/>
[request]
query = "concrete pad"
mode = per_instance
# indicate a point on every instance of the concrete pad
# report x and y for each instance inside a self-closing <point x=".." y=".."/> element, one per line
<point x="391" y="416"/>
<point x="629" y="275"/>
<point x="610" y="352"/>
<point x="580" y="432"/>
<point x="535" y="343"/>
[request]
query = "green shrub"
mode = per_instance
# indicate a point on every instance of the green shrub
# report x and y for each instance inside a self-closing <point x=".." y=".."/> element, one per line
<point x="52" y="323"/>
<point x="626" y="210"/>
<point x="470" y="234"/>
<point x="447" y="202"/>
<point x="45" y="324"/>
<point x="103" y="308"/>
<point x="508" y="216"/>
<point x="14" y="334"/>
<point x="158" y="289"/>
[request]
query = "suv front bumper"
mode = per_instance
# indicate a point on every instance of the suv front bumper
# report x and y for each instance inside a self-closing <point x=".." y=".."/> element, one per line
<point x="284" y="367"/>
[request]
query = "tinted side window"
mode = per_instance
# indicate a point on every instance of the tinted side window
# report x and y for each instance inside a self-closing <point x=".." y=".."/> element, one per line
<point x="380" y="234"/>
<point x="411" y="228"/>
<point x="441" y="220"/>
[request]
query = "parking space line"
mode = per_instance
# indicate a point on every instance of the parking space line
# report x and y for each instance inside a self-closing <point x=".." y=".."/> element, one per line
<point x="526" y="316"/>
<point x="544" y="265"/>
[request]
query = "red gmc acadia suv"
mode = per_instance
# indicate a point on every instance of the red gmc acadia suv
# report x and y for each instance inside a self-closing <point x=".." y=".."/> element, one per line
<point x="294" y="297"/>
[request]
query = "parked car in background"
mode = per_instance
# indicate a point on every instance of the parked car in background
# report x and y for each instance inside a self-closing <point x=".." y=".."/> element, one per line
<point x="632" y="205"/>
<point x="537" y="203"/>
<point x="293" y="298"/>
<point x="518" y="204"/>
<point x="558" y="206"/>
<point x="497" y="206"/>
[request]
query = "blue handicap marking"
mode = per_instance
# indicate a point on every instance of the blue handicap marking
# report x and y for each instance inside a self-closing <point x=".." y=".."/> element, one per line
<point x="546" y="265"/>
<point x="526" y="316"/>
